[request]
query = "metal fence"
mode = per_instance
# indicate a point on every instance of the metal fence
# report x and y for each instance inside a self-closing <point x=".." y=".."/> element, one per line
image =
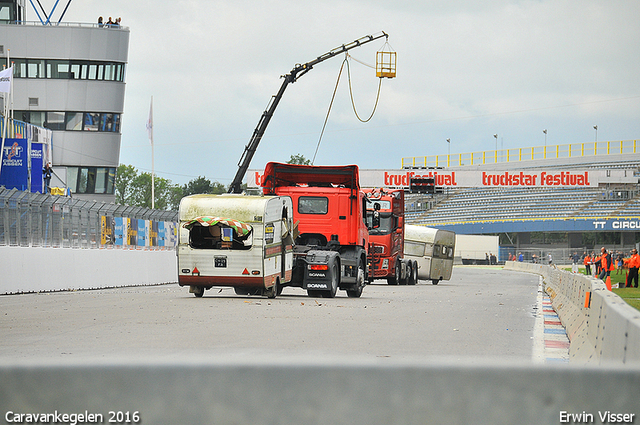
<point x="37" y="220"/>
<point x="524" y="154"/>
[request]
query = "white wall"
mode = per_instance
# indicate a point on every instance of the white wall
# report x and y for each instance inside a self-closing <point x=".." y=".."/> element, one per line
<point x="24" y="269"/>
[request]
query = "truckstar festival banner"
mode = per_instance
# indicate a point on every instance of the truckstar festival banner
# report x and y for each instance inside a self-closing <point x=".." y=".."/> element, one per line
<point x="477" y="178"/>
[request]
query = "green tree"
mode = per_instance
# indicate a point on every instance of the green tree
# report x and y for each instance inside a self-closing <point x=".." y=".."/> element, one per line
<point x="299" y="159"/>
<point x="124" y="190"/>
<point x="135" y="189"/>
<point x="202" y="185"/>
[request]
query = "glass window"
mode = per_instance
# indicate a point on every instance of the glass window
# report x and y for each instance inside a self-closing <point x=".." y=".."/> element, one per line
<point x="100" y="75"/>
<point x="58" y="69"/>
<point x="36" y="68"/>
<point x="119" y="72"/>
<point x="116" y="123"/>
<point x="110" y="72"/>
<point x="73" y="121"/>
<point x="76" y="70"/>
<point x="19" y="68"/>
<point x="414" y="248"/>
<point x="313" y="205"/>
<point x="107" y="122"/>
<point x="111" y="179"/>
<point x="6" y="12"/>
<point x="72" y="179"/>
<point x="101" y="180"/>
<point x="93" y="71"/>
<point x="55" y="121"/>
<point x="91" y="121"/>
<point x="37" y="118"/>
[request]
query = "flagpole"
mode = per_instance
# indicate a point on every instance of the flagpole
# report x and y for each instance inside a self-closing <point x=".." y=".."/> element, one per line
<point x="153" y="180"/>
<point x="6" y="95"/>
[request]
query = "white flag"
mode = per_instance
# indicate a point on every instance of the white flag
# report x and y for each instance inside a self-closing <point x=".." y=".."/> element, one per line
<point x="5" y="80"/>
<point x="150" y="122"/>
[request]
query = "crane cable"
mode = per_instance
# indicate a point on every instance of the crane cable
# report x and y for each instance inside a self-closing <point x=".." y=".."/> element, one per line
<point x="346" y="60"/>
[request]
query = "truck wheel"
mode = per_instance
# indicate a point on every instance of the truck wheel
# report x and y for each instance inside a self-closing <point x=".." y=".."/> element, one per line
<point x="393" y="280"/>
<point x="357" y="291"/>
<point x="331" y="293"/>
<point x="409" y="273"/>
<point x="198" y="291"/>
<point x="435" y="281"/>
<point x="413" y="277"/>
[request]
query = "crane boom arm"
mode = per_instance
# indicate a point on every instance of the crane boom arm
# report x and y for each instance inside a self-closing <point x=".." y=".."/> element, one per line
<point x="297" y="72"/>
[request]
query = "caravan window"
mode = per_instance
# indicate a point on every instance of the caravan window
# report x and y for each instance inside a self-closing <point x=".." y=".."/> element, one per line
<point x="415" y="249"/>
<point x="218" y="237"/>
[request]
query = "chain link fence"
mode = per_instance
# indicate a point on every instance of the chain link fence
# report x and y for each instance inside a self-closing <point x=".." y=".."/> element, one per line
<point x="38" y="220"/>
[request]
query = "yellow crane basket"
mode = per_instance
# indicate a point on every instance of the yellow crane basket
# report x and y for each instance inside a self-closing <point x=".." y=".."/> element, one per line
<point x="386" y="63"/>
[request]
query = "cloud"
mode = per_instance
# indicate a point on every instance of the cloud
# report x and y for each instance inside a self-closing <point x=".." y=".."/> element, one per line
<point x="466" y="70"/>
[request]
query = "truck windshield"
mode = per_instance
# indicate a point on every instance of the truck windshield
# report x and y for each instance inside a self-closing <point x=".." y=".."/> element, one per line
<point x="386" y="224"/>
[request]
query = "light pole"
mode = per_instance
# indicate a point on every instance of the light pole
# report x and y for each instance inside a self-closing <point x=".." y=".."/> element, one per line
<point x="545" y="136"/>
<point x="449" y="147"/>
<point x="595" y="127"/>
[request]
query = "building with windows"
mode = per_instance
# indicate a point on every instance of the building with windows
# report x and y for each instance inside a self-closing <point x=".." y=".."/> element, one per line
<point x="70" y="78"/>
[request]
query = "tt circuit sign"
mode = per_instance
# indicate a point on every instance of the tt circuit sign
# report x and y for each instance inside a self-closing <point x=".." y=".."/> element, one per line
<point x="476" y="178"/>
<point x="616" y="225"/>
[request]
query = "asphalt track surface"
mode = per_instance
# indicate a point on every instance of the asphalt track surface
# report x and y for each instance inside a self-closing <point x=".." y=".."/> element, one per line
<point x="480" y="313"/>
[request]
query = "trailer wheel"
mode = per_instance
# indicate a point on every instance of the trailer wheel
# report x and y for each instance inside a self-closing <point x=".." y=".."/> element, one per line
<point x="357" y="291"/>
<point x="393" y="280"/>
<point x="273" y="291"/>
<point x="435" y="281"/>
<point x="198" y="291"/>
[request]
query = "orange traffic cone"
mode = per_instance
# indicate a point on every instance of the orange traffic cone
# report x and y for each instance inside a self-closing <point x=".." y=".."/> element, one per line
<point x="608" y="282"/>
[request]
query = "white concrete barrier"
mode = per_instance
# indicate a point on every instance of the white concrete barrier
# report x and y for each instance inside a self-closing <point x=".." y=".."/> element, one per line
<point x="355" y="391"/>
<point x="601" y="326"/>
<point x="31" y="269"/>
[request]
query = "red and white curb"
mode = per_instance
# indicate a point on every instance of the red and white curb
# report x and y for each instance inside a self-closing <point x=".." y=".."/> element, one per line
<point x="550" y="341"/>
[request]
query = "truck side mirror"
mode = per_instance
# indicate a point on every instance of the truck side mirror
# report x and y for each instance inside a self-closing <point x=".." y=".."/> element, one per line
<point x="375" y="222"/>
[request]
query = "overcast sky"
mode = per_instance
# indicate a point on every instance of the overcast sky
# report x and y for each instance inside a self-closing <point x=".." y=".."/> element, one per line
<point x="466" y="70"/>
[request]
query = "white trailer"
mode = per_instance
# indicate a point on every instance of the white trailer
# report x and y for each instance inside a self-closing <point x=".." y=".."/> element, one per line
<point x="432" y="249"/>
<point x="473" y="249"/>
<point x="241" y="241"/>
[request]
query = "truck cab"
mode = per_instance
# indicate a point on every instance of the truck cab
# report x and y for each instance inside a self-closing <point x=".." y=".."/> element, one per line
<point x="332" y="240"/>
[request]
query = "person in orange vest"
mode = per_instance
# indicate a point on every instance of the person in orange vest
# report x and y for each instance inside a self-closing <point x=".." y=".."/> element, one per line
<point x="606" y="264"/>
<point x="596" y="263"/>
<point x="587" y="264"/>
<point x="633" y="263"/>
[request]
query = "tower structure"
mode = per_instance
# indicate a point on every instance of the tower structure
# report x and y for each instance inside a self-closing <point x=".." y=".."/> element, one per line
<point x="69" y="78"/>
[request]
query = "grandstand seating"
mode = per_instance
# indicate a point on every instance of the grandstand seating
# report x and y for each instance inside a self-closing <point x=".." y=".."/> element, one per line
<point x="474" y="205"/>
<point x="489" y="204"/>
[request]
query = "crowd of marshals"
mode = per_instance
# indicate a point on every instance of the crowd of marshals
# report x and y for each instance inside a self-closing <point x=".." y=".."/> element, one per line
<point x="604" y="264"/>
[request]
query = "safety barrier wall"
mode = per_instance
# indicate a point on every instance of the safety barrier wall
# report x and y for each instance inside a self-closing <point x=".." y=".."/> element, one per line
<point x="280" y="390"/>
<point x="37" y="269"/>
<point x="601" y="327"/>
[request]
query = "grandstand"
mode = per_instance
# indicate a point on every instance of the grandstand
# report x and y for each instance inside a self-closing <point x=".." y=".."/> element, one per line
<point x="578" y="216"/>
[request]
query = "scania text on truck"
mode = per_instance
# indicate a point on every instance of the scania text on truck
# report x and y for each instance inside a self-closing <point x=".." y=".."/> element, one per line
<point x="385" y="219"/>
<point x="331" y="247"/>
<point x="235" y="240"/>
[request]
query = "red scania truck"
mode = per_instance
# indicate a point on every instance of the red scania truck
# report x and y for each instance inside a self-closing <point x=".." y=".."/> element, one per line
<point x="329" y="210"/>
<point x="385" y="219"/>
